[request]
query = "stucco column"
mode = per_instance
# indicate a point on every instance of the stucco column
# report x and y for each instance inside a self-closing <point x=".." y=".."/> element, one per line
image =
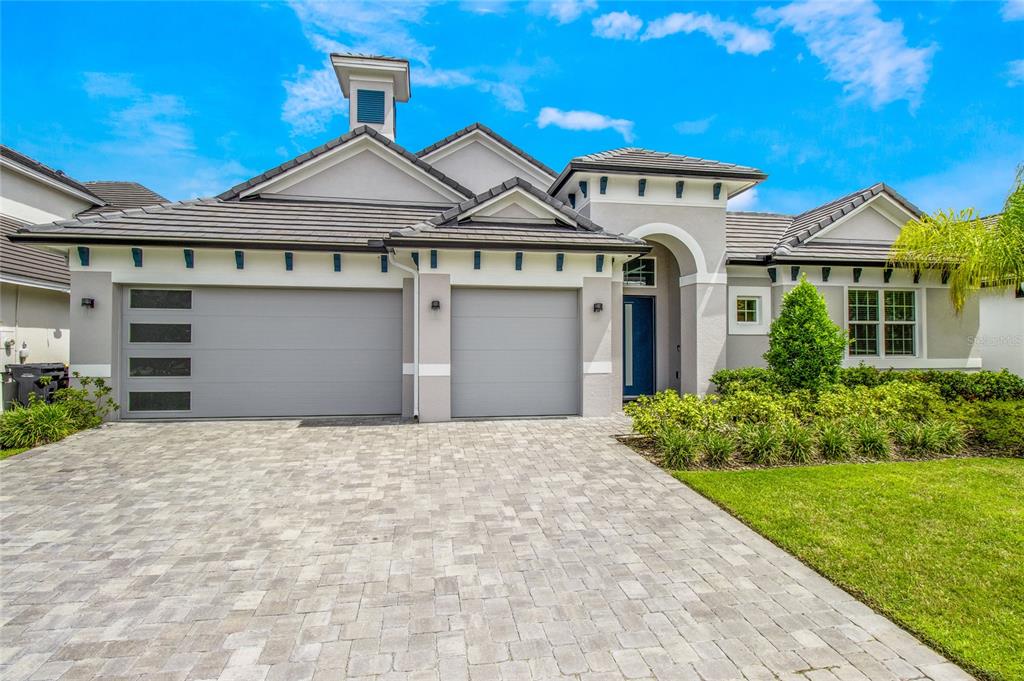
<point x="596" y="347"/>
<point x="435" y="365"/>
<point x="615" y="382"/>
<point x="408" y="341"/>
<point x="703" y="330"/>
<point x="95" y="331"/>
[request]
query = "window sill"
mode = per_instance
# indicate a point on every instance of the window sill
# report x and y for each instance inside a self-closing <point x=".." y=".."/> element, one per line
<point x="913" y="362"/>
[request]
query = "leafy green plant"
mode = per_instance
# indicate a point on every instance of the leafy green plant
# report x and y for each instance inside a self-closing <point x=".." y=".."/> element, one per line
<point x="833" y="441"/>
<point x="651" y="413"/>
<point x="88" y="403"/>
<point x="677" y="446"/>
<point x="946" y="434"/>
<point x="754" y="379"/>
<point x="950" y="385"/>
<point x="805" y="347"/>
<point x="744" y="406"/>
<point x="797" y="442"/>
<point x="717" y="447"/>
<point x="38" y="424"/>
<point x="872" y="438"/>
<point x="759" y="443"/>
<point x="995" y="425"/>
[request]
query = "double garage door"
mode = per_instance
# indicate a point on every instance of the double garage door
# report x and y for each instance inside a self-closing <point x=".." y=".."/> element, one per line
<point x="250" y="352"/>
<point x="226" y="352"/>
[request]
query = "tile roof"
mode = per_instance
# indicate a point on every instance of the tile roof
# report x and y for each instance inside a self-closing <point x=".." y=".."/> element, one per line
<point x="458" y="134"/>
<point x="238" y="189"/>
<point x="120" y="195"/>
<point x="257" y="223"/>
<point x="575" y="232"/>
<point x="43" y="169"/>
<point x="644" y="161"/>
<point x="21" y="261"/>
<point x="785" y="238"/>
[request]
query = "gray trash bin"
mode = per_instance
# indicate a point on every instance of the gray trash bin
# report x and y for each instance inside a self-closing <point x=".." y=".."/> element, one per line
<point x="28" y="378"/>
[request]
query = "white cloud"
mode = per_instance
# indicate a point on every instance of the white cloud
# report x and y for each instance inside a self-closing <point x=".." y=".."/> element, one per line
<point x="745" y="201"/>
<point x="372" y="27"/>
<point x="867" y="54"/>
<point x="1015" y="72"/>
<point x="696" y="127"/>
<point x="1012" y="10"/>
<point x="562" y="11"/>
<point x="150" y="141"/>
<point x="99" y="84"/>
<point x="617" y="25"/>
<point x="313" y="100"/>
<point x="734" y="37"/>
<point x="584" y="120"/>
<point x="484" y="6"/>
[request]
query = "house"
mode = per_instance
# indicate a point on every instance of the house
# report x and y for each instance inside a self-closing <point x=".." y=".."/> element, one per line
<point x="471" y="280"/>
<point x="35" y="283"/>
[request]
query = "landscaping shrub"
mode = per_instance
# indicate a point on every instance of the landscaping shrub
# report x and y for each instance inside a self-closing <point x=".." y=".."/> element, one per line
<point x="947" y="434"/>
<point x="754" y="379"/>
<point x="759" y="443"/>
<point x="651" y="412"/>
<point x="797" y="442"/>
<point x="678" y="446"/>
<point x="744" y="406"/>
<point x="717" y="447"/>
<point x="950" y="385"/>
<point x="871" y="438"/>
<point x="928" y="438"/>
<point x="73" y="409"/>
<point x="805" y="347"/>
<point x="833" y="441"/>
<point x="996" y="424"/>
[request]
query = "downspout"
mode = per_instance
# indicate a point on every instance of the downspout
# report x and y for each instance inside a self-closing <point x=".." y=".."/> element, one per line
<point x="415" y="331"/>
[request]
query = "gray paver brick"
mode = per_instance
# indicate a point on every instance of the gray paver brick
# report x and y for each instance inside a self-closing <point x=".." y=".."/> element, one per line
<point x="315" y="551"/>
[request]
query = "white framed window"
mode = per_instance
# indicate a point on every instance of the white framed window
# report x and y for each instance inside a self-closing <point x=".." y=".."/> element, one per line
<point x="640" y="272"/>
<point x="748" y="312"/>
<point x="882" y="322"/>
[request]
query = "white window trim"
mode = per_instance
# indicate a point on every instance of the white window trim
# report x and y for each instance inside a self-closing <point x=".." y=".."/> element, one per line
<point x="918" y="324"/>
<point x="628" y="284"/>
<point x="763" y="295"/>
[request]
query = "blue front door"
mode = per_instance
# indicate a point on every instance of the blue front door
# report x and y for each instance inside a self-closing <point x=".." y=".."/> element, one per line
<point x="637" y="345"/>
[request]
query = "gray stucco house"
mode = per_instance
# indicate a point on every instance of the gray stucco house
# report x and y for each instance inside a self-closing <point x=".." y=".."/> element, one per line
<point x="469" y="279"/>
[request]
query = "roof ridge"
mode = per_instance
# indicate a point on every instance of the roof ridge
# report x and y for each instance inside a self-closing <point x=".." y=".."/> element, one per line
<point x="477" y="125"/>
<point x="52" y="173"/>
<point x="235" y="191"/>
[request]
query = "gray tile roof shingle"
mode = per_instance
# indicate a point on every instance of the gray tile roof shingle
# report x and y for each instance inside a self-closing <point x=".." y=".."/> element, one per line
<point x="43" y="169"/>
<point x="119" y="195"/>
<point x="458" y="134"/>
<point x="236" y="191"/>
<point x="635" y="160"/>
<point x="23" y="262"/>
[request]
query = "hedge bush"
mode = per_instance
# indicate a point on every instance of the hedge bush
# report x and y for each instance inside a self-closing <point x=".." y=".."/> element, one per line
<point x="805" y="347"/>
<point x="72" y="410"/>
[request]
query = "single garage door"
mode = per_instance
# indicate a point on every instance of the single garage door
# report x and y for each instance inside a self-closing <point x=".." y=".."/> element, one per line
<point x="515" y="352"/>
<point x="224" y="352"/>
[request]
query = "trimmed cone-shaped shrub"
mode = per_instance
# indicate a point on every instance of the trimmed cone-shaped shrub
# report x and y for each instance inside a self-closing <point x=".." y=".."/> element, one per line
<point x="805" y="347"/>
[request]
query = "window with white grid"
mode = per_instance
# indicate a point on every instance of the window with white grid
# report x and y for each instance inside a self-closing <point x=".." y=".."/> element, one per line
<point x="882" y="322"/>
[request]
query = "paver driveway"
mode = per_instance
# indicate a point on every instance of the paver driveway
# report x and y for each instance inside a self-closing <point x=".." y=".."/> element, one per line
<point x="245" y="551"/>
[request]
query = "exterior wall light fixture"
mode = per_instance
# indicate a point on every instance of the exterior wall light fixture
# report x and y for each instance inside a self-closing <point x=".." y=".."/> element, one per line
<point x="435" y="304"/>
<point x="89" y="302"/>
<point x="598" y="307"/>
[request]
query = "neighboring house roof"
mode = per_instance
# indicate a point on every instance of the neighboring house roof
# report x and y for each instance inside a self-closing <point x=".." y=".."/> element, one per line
<point x="569" y="231"/>
<point x="458" y="134"/>
<point x="760" y="237"/>
<point x="118" y="195"/>
<point x="57" y="176"/>
<point x="635" y="160"/>
<point x="236" y="191"/>
<point x="256" y="223"/>
<point x="22" y="263"/>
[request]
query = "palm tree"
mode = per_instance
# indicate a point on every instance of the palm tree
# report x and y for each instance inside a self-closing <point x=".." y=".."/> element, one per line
<point x="973" y="251"/>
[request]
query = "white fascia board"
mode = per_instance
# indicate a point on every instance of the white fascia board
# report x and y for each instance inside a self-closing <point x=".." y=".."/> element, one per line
<point x="48" y="181"/>
<point x="889" y="209"/>
<point x="527" y="201"/>
<point x="33" y="283"/>
<point x="543" y="179"/>
<point x="342" y="153"/>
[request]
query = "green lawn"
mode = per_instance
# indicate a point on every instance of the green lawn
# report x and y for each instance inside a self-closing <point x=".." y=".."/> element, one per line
<point x="937" y="546"/>
<point x="4" y="453"/>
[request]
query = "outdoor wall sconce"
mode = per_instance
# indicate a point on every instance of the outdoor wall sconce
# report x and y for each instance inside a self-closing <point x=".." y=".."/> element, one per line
<point x="89" y="302"/>
<point x="435" y="304"/>
<point x="598" y="307"/>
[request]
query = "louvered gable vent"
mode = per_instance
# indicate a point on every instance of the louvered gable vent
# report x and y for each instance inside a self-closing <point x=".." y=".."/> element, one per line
<point x="370" y="105"/>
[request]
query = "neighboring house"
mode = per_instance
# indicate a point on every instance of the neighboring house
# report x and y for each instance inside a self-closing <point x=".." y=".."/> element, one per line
<point x="471" y="280"/>
<point x="35" y="282"/>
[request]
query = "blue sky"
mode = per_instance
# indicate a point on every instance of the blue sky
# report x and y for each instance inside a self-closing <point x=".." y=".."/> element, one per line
<point x="189" y="98"/>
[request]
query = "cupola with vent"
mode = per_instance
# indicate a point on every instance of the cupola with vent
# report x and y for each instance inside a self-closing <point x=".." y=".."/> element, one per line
<point x="372" y="85"/>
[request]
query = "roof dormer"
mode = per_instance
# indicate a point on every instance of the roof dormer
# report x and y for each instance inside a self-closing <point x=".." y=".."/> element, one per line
<point x="372" y="85"/>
